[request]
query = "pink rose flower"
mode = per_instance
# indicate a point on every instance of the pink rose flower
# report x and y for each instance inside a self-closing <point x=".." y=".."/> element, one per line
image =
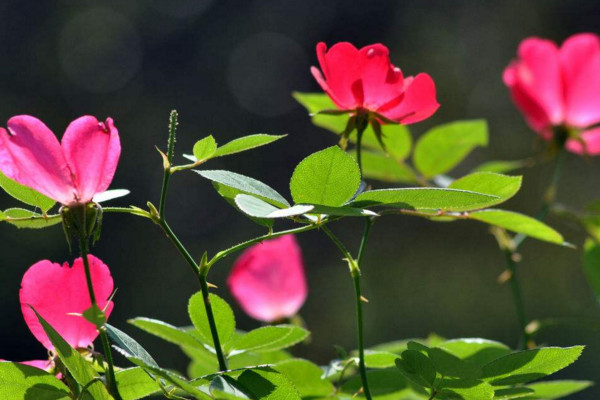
<point x="268" y="279"/>
<point x="70" y="172"/>
<point x="60" y="295"/>
<point x="559" y="87"/>
<point x="366" y="80"/>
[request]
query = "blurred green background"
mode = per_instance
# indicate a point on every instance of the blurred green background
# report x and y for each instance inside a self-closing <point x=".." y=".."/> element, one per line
<point x="229" y="68"/>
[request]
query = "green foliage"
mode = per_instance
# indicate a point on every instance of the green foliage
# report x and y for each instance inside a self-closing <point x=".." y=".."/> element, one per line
<point x="267" y="384"/>
<point x="227" y="388"/>
<point x="22" y="218"/>
<point x="591" y="265"/>
<point x="328" y="177"/>
<point x="223" y="316"/>
<point x="134" y="383"/>
<point x="18" y="381"/>
<point x="502" y="186"/>
<point x="417" y="368"/>
<point x="440" y="149"/>
<point x="385" y="384"/>
<point x="555" y="389"/>
<point x="81" y="370"/>
<point x="306" y="377"/>
<point x="205" y="148"/>
<point x="518" y="223"/>
<point x="396" y="139"/>
<point x="502" y="167"/>
<point x="245" y="185"/>
<point x="476" y="351"/>
<point x="166" y="331"/>
<point x="315" y="102"/>
<point x="269" y="338"/>
<point x="528" y="365"/>
<point x="246" y="143"/>
<point x="384" y="168"/>
<point x="25" y="194"/>
<point x="128" y="344"/>
<point x="425" y="199"/>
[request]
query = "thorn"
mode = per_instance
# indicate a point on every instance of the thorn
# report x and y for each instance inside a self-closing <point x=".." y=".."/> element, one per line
<point x="364" y="299"/>
<point x="210" y="285"/>
<point x="504" y="277"/>
<point x="516" y="257"/>
<point x="166" y="163"/>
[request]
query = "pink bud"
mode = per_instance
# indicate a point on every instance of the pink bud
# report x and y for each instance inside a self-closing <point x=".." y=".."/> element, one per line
<point x="268" y="279"/>
<point x="554" y="86"/>
<point x="70" y="172"/>
<point x="60" y="295"/>
<point x="365" y="79"/>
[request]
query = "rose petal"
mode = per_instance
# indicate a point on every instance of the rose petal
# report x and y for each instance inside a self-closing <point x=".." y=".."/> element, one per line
<point x="381" y="81"/>
<point x="56" y="292"/>
<point x="32" y="156"/>
<point x="341" y="69"/>
<point x="92" y="151"/>
<point x="418" y="102"/>
<point x="590" y="145"/>
<point x="580" y="61"/>
<point x="268" y="279"/>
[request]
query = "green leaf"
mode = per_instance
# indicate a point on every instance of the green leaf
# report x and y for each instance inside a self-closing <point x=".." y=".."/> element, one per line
<point x="396" y="139"/>
<point x="257" y="208"/>
<point x="476" y="351"/>
<point x="385" y="168"/>
<point x="223" y="316"/>
<point x="518" y="392"/>
<point x="168" y="376"/>
<point x="245" y="143"/>
<point x="425" y="199"/>
<point x="440" y="149"/>
<point x="229" y="194"/>
<point x="502" y="167"/>
<point x="502" y="186"/>
<point x="227" y="388"/>
<point x="165" y="331"/>
<point x="556" y="389"/>
<point x="95" y="315"/>
<point x="205" y="148"/>
<point x="385" y="384"/>
<point x="81" y="370"/>
<point x="18" y="381"/>
<point x="269" y="338"/>
<point x="591" y="265"/>
<point x="306" y="377"/>
<point x="380" y="359"/>
<point x="448" y="365"/>
<point x="315" y="102"/>
<point x="417" y="368"/>
<point x="466" y="390"/>
<point x="25" y="194"/>
<point x="245" y="185"/>
<point x="519" y="223"/>
<point x="528" y="365"/>
<point x="129" y="344"/>
<point x="134" y="383"/>
<point x="328" y="177"/>
<point x="22" y="218"/>
<point x="268" y="384"/>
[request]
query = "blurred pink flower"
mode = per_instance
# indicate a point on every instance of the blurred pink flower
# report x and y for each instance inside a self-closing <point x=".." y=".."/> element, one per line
<point x="365" y="79"/>
<point x="70" y="172"/>
<point x="559" y="88"/>
<point x="58" y="292"/>
<point x="268" y="279"/>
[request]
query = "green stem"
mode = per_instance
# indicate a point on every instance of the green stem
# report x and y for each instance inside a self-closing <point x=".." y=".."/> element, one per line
<point x="201" y="274"/>
<point x="518" y="240"/>
<point x="361" y="124"/>
<point x="355" y="272"/>
<point x="517" y="298"/>
<point x="170" y="153"/>
<point x="110" y="377"/>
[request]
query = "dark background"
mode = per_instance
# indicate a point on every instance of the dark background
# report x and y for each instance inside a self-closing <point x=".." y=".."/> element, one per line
<point x="229" y="68"/>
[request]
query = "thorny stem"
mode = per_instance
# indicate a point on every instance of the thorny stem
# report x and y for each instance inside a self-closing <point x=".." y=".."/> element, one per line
<point x="355" y="272"/>
<point x="111" y="380"/>
<point x="201" y="274"/>
<point x="511" y="255"/>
